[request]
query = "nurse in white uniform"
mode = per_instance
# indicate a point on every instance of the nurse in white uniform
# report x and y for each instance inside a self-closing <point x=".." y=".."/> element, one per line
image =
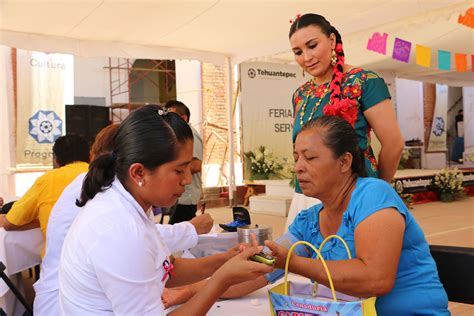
<point x="114" y="261"/>
<point x="178" y="237"/>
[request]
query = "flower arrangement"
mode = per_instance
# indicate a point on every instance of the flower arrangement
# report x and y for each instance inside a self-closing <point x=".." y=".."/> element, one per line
<point x="263" y="164"/>
<point x="448" y="183"/>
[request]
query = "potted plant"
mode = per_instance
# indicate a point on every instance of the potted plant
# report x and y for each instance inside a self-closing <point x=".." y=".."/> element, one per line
<point x="448" y="184"/>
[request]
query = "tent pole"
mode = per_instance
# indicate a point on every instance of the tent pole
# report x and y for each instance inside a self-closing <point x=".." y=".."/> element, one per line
<point x="230" y="133"/>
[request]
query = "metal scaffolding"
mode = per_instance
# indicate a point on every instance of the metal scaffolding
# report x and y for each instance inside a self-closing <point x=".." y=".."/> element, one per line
<point x="123" y="76"/>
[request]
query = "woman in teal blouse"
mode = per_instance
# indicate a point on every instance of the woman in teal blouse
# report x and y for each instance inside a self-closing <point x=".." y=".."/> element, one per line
<point x="359" y="96"/>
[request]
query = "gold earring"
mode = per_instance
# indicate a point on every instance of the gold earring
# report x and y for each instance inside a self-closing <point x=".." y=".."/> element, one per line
<point x="333" y="57"/>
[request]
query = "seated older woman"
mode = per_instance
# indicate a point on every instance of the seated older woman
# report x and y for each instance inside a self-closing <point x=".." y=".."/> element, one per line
<point x="391" y="256"/>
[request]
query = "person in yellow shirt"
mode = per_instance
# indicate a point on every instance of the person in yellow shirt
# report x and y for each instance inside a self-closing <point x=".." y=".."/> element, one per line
<point x="70" y="158"/>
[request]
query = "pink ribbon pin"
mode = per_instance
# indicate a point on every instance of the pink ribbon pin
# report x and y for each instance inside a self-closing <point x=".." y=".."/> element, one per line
<point x="168" y="270"/>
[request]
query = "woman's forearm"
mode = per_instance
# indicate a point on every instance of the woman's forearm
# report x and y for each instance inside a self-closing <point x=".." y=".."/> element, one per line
<point x="181" y="295"/>
<point x="389" y="158"/>
<point x="187" y="271"/>
<point x="245" y="288"/>
<point x="203" y="300"/>
<point x="352" y="277"/>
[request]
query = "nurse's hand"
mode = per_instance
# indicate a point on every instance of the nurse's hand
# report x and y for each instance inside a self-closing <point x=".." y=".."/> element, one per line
<point x="202" y="223"/>
<point x="279" y="253"/>
<point x="240" y="268"/>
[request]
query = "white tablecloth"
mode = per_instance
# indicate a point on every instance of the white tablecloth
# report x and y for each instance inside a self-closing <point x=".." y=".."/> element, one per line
<point x="254" y="304"/>
<point x="19" y="250"/>
<point x="212" y="243"/>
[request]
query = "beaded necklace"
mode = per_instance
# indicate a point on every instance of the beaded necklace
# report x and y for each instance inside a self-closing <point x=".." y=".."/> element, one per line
<point x="308" y="94"/>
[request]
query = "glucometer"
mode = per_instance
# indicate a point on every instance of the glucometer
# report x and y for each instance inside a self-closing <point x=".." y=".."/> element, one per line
<point x="263" y="258"/>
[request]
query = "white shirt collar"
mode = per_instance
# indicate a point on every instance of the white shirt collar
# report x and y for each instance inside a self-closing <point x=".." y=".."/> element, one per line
<point x="119" y="188"/>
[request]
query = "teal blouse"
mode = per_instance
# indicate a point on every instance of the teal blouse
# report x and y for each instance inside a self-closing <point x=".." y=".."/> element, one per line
<point x="364" y="86"/>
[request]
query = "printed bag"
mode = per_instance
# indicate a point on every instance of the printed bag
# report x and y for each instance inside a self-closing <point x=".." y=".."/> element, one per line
<point x="305" y="299"/>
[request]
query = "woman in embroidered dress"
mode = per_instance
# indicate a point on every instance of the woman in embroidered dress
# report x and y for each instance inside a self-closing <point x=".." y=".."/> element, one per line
<point x="359" y="96"/>
<point x="114" y="261"/>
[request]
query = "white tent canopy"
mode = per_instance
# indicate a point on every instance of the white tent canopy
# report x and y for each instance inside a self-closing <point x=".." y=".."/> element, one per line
<point x="236" y="29"/>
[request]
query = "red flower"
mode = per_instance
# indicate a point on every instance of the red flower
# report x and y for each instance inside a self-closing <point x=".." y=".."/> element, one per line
<point x="363" y="76"/>
<point x="298" y="100"/>
<point x="345" y="108"/>
<point x="355" y="91"/>
<point x="346" y="91"/>
<point x="373" y="162"/>
<point x="298" y="103"/>
<point x="320" y="91"/>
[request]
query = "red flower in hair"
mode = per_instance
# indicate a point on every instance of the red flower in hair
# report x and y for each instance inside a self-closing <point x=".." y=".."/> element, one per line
<point x="345" y="108"/>
<point x="296" y="18"/>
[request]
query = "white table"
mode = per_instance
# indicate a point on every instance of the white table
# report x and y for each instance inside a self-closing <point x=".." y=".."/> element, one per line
<point x="243" y="305"/>
<point x="19" y="250"/>
<point x="254" y="304"/>
<point x="209" y="244"/>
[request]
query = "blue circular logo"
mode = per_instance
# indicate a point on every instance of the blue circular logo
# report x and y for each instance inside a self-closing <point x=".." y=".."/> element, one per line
<point x="45" y="127"/>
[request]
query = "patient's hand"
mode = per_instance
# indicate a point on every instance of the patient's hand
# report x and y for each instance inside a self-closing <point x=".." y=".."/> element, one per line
<point x="176" y="296"/>
<point x="278" y="252"/>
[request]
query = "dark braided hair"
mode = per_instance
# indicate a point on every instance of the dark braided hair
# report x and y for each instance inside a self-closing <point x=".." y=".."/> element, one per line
<point x="339" y="106"/>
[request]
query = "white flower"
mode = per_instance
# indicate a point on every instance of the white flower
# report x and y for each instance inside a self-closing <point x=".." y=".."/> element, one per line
<point x="449" y="181"/>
